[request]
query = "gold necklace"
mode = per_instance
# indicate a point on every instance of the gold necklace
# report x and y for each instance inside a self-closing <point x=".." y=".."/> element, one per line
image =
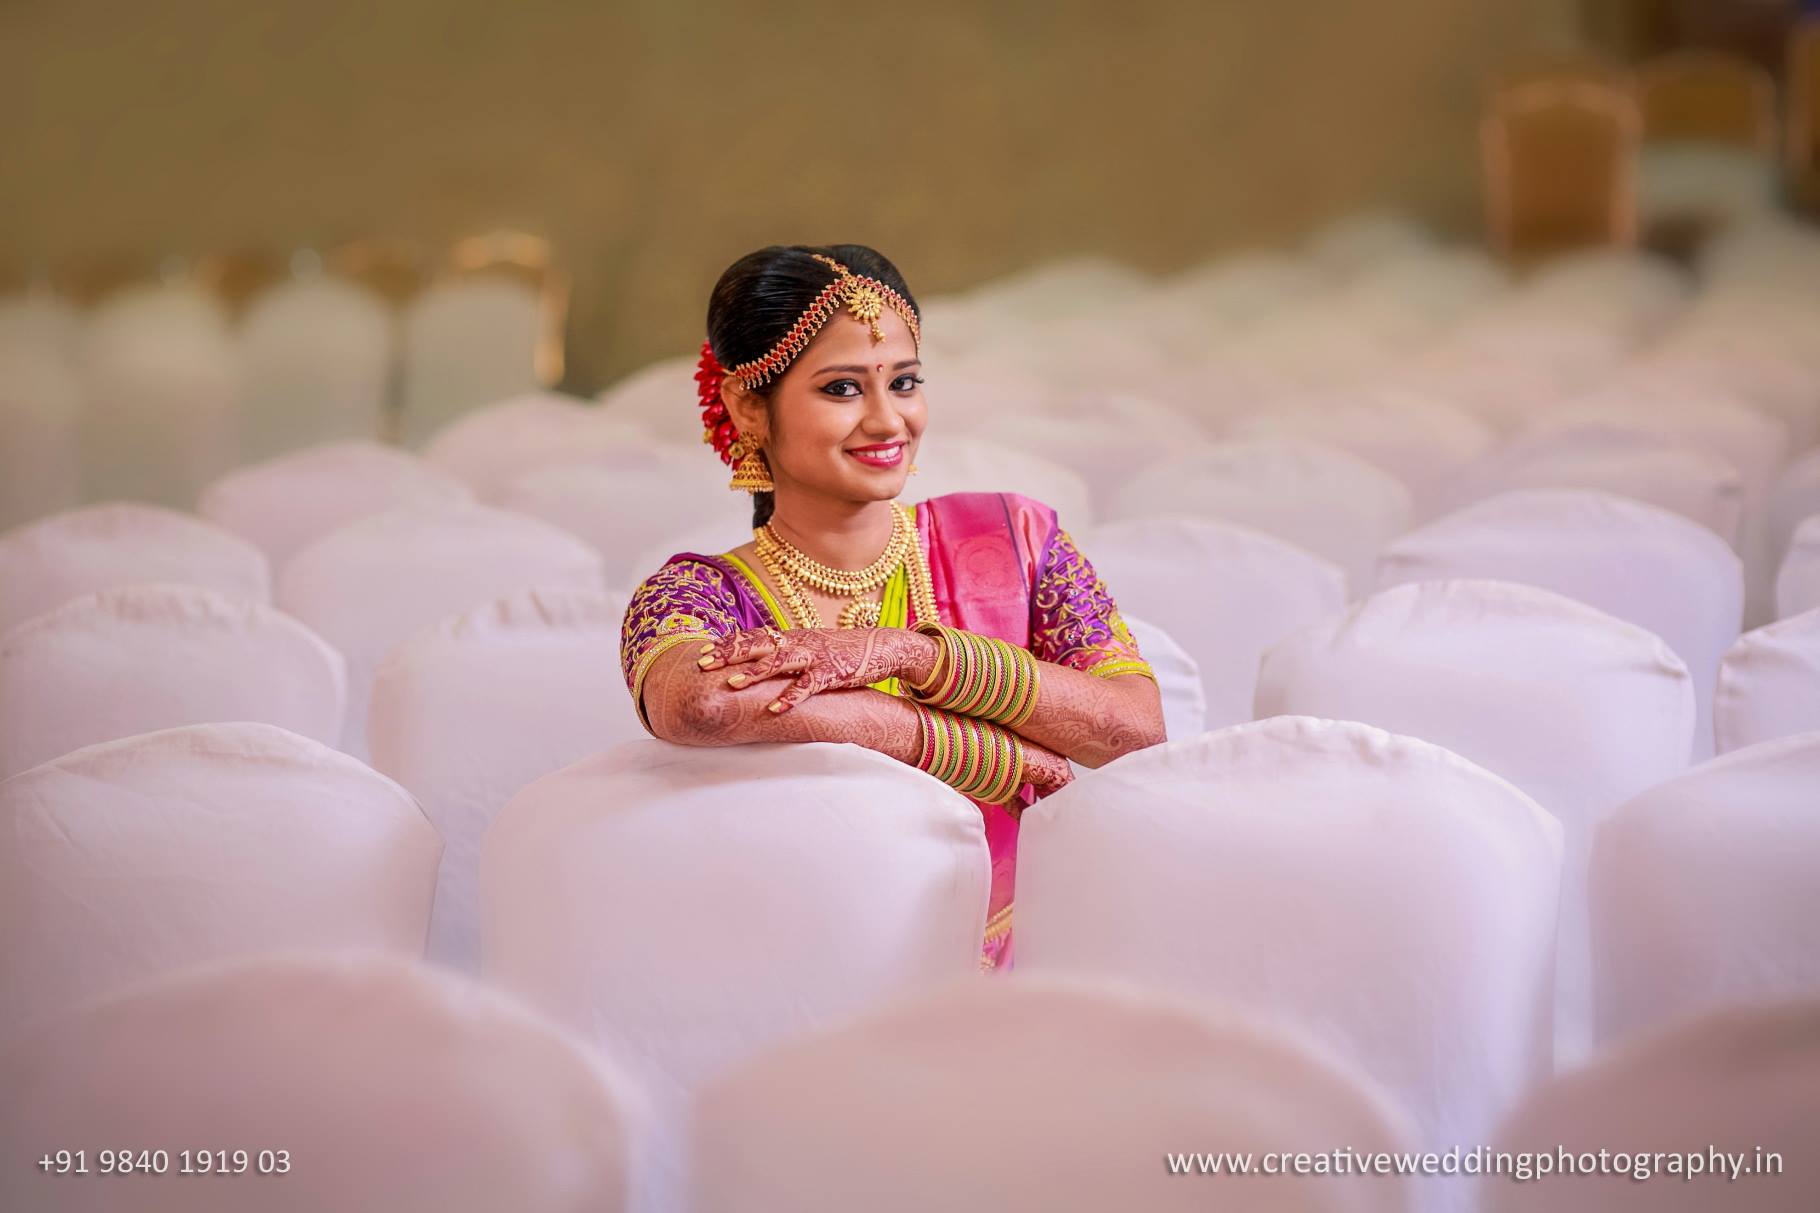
<point x="844" y="583"/>
<point x="776" y="555"/>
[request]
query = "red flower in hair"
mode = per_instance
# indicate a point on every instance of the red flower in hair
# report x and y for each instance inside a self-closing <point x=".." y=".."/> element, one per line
<point x="717" y="429"/>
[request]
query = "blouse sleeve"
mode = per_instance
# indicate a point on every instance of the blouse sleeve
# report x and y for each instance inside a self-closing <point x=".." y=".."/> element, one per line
<point x="1075" y="621"/>
<point x="684" y="600"/>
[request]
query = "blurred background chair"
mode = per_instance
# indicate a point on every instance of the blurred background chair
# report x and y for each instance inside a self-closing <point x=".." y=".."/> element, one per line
<point x="139" y="856"/>
<point x="365" y="1068"/>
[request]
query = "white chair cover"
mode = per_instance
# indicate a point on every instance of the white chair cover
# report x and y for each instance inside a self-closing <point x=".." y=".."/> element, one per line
<point x="286" y="504"/>
<point x="617" y="508"/>
<point x="161" y="387"/>
<point x="40" y="436"/>
<point x="1423" y="444"/>
<point x="963" y="1102"/>
<point x="1104" y="437"/>
<point x="1798" y="582"/>
<point x="1317" y="497"/>
<point x="1366" y="240"/>
<point x="469" y="710"/>
<point x="1769" y="684"/>
<point x="1742" y="1083"/>
<point x="1580" y="710"/>
<point x="660" y="399"/>
<point x="369" y="586"/>
<point x="1793" y="499"/>
<point x="1225" y="593"/>
<point x="156" y="655"/>
<point x="1694" y="484"/>
<point x="1387" y="896"/>
<point x="1754" y="442"/>
<point x="1177" y="677"/>
<point x="1647" y="566"/>
<point x="386" y="1086"/>
<point x="950" y="464"/>
<point x="466" y="343"/>
<point x="487" y="447"/>
<point x="317" y="356"/>
<point x="1703" y="890"/>
<point x="46" y="563"/>
<point x="142" y="855"/>
<point x="685" y="908"/>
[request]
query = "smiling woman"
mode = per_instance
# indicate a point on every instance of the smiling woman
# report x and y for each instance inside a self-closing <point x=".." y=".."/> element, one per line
<point x="974" y="640"/>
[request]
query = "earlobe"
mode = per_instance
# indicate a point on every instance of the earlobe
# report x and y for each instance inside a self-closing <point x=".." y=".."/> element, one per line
<point x="742" y="407"/>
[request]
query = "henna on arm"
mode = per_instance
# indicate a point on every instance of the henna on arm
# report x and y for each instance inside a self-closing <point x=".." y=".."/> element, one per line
<point x="690" y="705"/>
<point x="1092" y="719"/>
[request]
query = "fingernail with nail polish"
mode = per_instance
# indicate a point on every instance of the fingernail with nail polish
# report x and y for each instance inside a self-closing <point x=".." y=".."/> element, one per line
<point x="737" y="680"/>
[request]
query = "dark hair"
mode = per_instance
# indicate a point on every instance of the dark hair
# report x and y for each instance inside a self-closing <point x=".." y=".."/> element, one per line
<point x="760" y="296"/>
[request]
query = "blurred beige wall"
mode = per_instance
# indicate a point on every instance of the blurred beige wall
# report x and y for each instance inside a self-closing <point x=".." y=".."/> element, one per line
<point x="654" y="142"/>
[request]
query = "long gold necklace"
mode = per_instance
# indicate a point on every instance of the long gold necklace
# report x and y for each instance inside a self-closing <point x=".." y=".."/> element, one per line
<point x="789" y="566"/>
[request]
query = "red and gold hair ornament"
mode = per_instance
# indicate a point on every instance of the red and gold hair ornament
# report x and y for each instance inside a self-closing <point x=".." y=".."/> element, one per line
<point x="866" y="298"/>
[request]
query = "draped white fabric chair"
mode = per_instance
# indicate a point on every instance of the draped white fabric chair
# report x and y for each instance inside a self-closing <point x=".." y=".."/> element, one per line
<point x="368" y="586"/>
<point x="1415" y="299"/>
<point x="137" y="856"/>
<point x="1769" y="684"/>
<point x="469" y="710"/>
<point x="1322" y="499"/>
<point x="466" y="343"/>
<point x="317" y="359"/>
<point x="1178" y="678"/>
<point x="662" y="399"/>
<point x="617" y="508"/>
<point x="951" y="464"/>
<point x="1038" y="1096"/>
<point x="1648" y="566"/>
<point x="1366" y="240"/>
<point x="1225" y="593"/>
<point x="287" y="503"/>
<point x="1579" y="709"/>
<point x="1744" y="1083"/>
<point x="1423" y="444"/>
<point x="376" y="1084"/>
<point x="1754" y="442"/>
<point x="1798" y="582"/>
<point x="1379" y="892"/>
<point x="156" y="655"/>
<point x="1697" y="485"/>
<point x="1104" y="437"/>
<point x="685" y="908"/>
<point x="161" y="386"/>
<point x="489" y="446"/>
<point x="1793" y="499"/>
<point x="46" y="563"/>
<point x="40" y="436"/>
<point x="1703" y="890"/>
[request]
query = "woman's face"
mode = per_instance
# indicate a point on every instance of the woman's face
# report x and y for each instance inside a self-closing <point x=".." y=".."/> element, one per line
<point x="845" y="419"/>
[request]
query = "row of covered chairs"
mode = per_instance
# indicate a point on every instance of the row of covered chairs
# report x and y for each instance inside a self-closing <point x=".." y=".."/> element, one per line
<point x="161" y="388"/>
<point x="395" y="1087"/>
<point x="683" y="910"/>
<point x="81" y="596"/>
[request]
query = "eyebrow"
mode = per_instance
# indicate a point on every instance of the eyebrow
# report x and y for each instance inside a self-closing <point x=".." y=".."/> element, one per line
<point x="860" y="370"/>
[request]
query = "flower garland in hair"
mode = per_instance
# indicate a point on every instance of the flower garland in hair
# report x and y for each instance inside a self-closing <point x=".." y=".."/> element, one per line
<point x="718" y="429"/>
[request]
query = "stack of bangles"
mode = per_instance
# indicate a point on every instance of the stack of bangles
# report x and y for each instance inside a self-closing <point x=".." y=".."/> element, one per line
<point x="978" y="676"/>
<point x="976" y="759"/>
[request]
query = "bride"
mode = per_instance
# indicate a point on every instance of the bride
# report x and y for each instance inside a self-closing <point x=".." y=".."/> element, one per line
<point x="966" y="636"/>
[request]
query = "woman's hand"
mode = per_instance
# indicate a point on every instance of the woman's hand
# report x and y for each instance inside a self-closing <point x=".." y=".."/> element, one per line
<point x="821" y="659"/>
<point x="1046" y="769"/>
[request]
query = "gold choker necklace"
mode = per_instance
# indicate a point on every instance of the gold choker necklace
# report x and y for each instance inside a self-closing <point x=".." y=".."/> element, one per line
<point x="789" y="566"/>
